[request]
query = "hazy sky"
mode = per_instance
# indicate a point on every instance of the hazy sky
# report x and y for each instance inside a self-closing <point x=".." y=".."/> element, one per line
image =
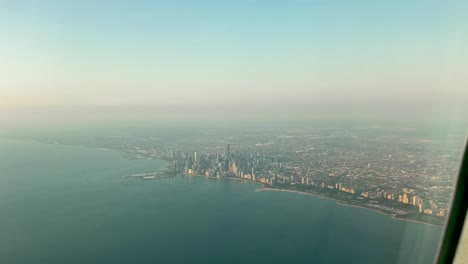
<point x="55" y="53"/>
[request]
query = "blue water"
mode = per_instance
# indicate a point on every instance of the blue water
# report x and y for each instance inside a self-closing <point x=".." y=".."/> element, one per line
<point x="65" y="204"/>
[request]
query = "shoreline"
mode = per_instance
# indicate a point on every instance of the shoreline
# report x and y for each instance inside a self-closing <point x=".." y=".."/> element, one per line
<point x="393" y="216"/>
<point x="223" y="178"/>
<point x="294" y="191"/>
<point x="416" y="221"/>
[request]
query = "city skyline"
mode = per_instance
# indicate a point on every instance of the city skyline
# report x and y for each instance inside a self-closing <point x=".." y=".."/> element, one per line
<point x="400" y="172"/>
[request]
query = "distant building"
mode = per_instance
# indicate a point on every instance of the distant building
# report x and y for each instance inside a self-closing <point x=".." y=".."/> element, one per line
<point x="234" y="168"/>
<point x="227" y="152"/>
<point x="405" y="199"/>
<point x="442" y="213"/>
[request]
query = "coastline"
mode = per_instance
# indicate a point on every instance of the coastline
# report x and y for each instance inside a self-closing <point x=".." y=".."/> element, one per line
<point x="294" y="191"/>
<point x="393" y="216"/>
<point x="416" y="221"/>
<point x="339" y="202"/>
<point x="223" y="178"/>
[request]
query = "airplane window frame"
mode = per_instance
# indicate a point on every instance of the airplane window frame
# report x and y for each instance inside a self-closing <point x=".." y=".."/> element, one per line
<point x="455" y="221"/>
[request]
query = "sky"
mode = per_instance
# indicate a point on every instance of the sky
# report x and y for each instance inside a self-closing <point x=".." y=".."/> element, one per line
<point x="403" y="54"/>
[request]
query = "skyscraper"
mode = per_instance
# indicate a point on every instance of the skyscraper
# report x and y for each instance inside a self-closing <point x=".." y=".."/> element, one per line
<point x="234" y="168"/>
<point x="227" y="164"/>
<point x="228" y="151"/>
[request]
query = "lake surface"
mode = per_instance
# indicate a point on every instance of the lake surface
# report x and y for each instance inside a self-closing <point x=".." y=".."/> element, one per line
<point x="67" y="204"/>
